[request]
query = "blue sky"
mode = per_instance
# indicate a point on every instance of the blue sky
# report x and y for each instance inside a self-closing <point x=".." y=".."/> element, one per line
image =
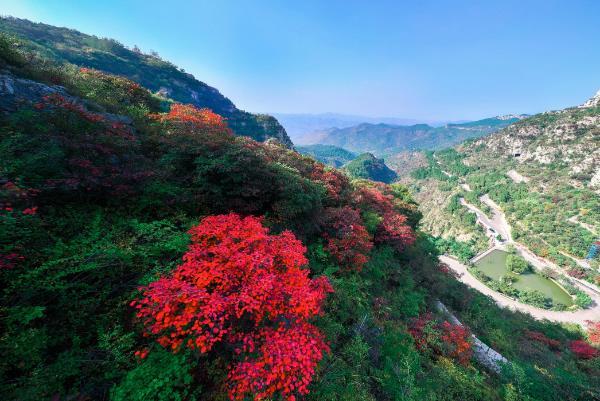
<point x="430" y="60"/>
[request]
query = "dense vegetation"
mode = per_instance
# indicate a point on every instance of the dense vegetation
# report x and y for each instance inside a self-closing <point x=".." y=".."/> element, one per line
<point x="147" y="253"/>
<point x="369" y="167"/>
<point x="541" y="211"/>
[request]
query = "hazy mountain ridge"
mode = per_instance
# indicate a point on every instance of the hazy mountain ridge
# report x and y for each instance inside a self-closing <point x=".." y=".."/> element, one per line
<point x="382" y="139"/>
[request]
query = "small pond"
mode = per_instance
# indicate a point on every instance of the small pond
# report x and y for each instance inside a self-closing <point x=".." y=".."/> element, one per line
<point x="493" y="265"/>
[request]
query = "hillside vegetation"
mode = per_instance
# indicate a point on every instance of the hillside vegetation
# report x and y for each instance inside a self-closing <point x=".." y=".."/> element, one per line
<point x="369" y="167"/>
<point x="147" y="253"/>
<point x="327" y="154"/>
<point x="543" y="173"/>
<point x="64" y="45"/>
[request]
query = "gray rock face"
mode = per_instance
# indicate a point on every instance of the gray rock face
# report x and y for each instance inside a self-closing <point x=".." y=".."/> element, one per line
<point x="592" y="102"/>
<point x="16" y="92"/>
<point x="569" y="137"/>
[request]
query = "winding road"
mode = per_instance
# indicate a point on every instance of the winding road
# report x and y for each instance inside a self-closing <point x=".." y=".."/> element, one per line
<point x="499" y="224"/>
<point x="579" y="316"/>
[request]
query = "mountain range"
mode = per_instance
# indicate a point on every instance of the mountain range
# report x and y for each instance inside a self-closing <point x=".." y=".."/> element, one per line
<point x="301" y="126"/>
<point x="382" y="139"/>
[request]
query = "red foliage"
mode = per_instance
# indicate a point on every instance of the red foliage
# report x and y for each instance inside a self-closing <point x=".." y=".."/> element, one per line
<point x="335" y="181"/>
<point x="452" y="340"/>
<point x="541" y="338"/>
<point x="456" y="342"/>
<point x="347" y="239"/>
<point x="286" y="363"/>
<point x="582" y="349"/>
<point x="10" y="261"/>
<point x="420" y="328"/>
<point x="394" y="231"/>
<point x="203" y="120"/>
<point x="242" y="286"/>
<point x="594" y="332"/>
<point x="30" y="211"/>
<point x="576" y="272"/>
<point x="100" y="150"/>
<point x="393" y="228"/>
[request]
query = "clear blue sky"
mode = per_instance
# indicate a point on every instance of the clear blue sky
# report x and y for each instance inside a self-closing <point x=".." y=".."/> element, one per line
<point x="413" y="59"/>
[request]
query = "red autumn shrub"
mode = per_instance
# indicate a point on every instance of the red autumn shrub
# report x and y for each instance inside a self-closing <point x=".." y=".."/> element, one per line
<point x="286" y="363"/>
<point x="452" y="340"/>
<point x="594" y="332"/>
<point x="336" y="183"/>
<point x="241" y="286"/>
<point x="422" y="330"/>
<point x="541" y="338"/>
<point x="347" y="239"/>
<point x="200" y="120"/>
<point x="456" y="344"/>
<point x="394" y="229"/>
<point x="582" y="349"/>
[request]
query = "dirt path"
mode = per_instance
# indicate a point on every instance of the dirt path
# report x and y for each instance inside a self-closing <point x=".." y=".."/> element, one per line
<point x="500" y="225"/>
<point x="497" y="222"/>
<point x="588" y="227"/>
<point x="516" y="177"/>
<point x="579" y="317"/>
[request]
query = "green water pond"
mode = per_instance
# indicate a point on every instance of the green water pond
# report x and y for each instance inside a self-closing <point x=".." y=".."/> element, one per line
<point x="493" y="265"/>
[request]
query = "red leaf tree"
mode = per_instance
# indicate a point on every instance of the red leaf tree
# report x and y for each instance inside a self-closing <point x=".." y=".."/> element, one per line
<point x="243" y="287"/>
<point x="347" y="239"/>
<point x="394" y="228"/>
<point x="187" y="120"/>
<point x="594" y="332"/>
<point x="582" y="349"/>
<point x="452" y="340"/>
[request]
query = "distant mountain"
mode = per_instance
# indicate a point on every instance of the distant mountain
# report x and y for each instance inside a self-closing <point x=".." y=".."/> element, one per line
<point x="369" y="167"/>
<point x="149" y="70"/>
<point x="328" y="154"/>
<point x="381" y="139"/>
<point x="302" y="128"/>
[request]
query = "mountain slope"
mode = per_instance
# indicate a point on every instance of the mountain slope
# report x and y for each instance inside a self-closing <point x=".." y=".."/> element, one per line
<point x="383" y="139"/>
<point x="369" y="167"/>
<point x="330" y="155"/>
<point x="543" y="171"/>
<point x="150" y="71"/>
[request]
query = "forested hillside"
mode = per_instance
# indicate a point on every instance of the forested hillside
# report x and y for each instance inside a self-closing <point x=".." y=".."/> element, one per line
<point x="65" y="45"/>
<point x="328" y="154"/>
<point x="148" y="253"/>
<point x="369" y="167"/>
